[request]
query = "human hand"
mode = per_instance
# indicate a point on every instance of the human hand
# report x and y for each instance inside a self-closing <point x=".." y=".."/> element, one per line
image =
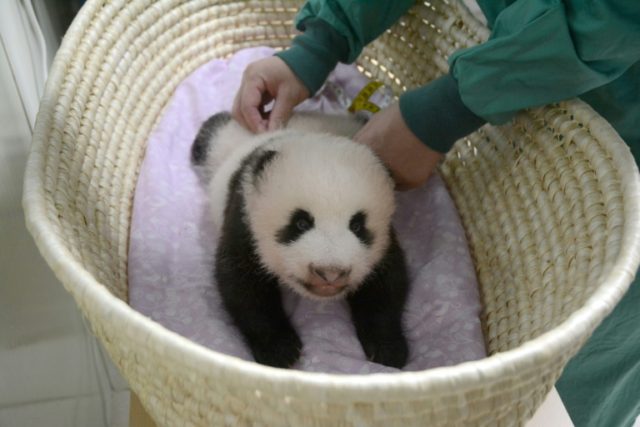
<point x="263" y="81"/>
<point x="411" y="162"/>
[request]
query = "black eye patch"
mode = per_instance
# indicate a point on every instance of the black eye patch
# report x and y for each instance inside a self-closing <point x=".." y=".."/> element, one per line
<point x="300" y="222"/>
<point x="358" y="226"/>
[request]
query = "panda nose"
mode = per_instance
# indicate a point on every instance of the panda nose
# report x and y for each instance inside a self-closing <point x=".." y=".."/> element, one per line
<point x="330" y="274"/>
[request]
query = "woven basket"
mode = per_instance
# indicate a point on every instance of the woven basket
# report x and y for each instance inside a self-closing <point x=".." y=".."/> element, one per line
<point x="549" y="204"/>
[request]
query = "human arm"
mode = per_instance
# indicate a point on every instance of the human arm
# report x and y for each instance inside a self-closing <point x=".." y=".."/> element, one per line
<point x="410" y="161"/>
<point x="337" y="31"/>
<point x="539" y="52"/>
<point x="543" y="51"/>
<point x="332" y="31"/>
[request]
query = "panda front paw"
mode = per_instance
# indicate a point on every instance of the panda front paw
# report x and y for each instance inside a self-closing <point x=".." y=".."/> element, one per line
<point x="282" y="351"/>
<point x="390" y="350"/>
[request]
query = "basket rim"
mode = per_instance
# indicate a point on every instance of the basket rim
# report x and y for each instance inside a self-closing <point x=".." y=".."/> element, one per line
<point x="89" y="291"/>
<point x="84" y="285"/>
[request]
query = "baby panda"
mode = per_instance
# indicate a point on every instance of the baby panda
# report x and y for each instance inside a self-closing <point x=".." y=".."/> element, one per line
<point x="306" y="208"/>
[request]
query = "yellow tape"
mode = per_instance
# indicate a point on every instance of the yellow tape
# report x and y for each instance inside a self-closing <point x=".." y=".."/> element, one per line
<point x="361" y="101"/>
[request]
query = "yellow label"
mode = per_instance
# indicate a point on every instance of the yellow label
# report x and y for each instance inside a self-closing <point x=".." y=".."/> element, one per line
<point x="361" y="101"/>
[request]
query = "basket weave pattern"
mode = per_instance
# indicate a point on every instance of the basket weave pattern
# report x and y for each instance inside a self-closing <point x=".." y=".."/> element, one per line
<point x="549" y="204"/>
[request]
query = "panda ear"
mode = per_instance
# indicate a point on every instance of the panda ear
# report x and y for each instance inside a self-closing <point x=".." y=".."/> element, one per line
<point x="262" y="159"/>
<point x="206" y="135"/>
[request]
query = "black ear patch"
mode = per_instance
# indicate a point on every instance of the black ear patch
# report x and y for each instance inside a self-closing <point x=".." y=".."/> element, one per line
<point x="207" y="131"/>
<point x="262" y="160"/>
<point x="299" y="223"/>
<point x="358" y="226"/>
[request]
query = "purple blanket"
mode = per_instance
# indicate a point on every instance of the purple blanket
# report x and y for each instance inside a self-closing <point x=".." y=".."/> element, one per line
<point x="173" y="244"/>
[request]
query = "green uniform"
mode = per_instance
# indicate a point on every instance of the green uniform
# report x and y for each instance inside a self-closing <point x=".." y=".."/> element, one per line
<point x="539" y="51"/>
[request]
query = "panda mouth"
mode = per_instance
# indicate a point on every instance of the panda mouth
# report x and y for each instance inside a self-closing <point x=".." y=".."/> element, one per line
<point x="324" y="290"/>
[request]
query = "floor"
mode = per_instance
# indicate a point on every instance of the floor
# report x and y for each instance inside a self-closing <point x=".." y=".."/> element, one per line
<point x="52" y="371"/>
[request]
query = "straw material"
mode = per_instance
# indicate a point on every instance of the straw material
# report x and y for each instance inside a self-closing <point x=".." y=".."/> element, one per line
<point x="549" y="204"/>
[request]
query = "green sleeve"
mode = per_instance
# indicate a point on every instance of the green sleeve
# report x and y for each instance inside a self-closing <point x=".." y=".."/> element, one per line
<point x="336" y="31"/>
<point x="315" y="53"/>
<point x="436" y="114"/>
<point x="543" y="51"/>
<point x="358" y="21"/>
<point x="600" y="386"/>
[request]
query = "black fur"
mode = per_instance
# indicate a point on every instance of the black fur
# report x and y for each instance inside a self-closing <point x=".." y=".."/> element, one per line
<point x="377" y="307"/>
<point x="300" y="222"/>
<point x="208" y="129"/>
<point x="262" y="160"/>
<point x="358" y="226"/>
<point x="251" y="295"/>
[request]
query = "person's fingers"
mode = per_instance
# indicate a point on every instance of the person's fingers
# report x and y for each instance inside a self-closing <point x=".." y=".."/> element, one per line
<point x="235" y="109"/>
<point x="264" y="81"/>
<point x="248" y="103"/>
<point x="281" y="112"/>
<point x="250" y="108"/>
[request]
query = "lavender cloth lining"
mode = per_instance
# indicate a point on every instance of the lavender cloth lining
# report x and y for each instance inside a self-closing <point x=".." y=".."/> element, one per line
<point x="172" y="246"/>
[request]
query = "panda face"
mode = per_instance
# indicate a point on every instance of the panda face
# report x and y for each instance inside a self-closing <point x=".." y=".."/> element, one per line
<point x="326" y="275"/>
<point x="319" y="209"/>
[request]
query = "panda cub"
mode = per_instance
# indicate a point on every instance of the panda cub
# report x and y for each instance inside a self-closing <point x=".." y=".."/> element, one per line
<point x="307" y="208"/>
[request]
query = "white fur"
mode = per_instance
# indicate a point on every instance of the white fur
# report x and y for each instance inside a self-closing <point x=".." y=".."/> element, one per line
<point x="232" y="144"/>
<point x="327" y="175"/>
